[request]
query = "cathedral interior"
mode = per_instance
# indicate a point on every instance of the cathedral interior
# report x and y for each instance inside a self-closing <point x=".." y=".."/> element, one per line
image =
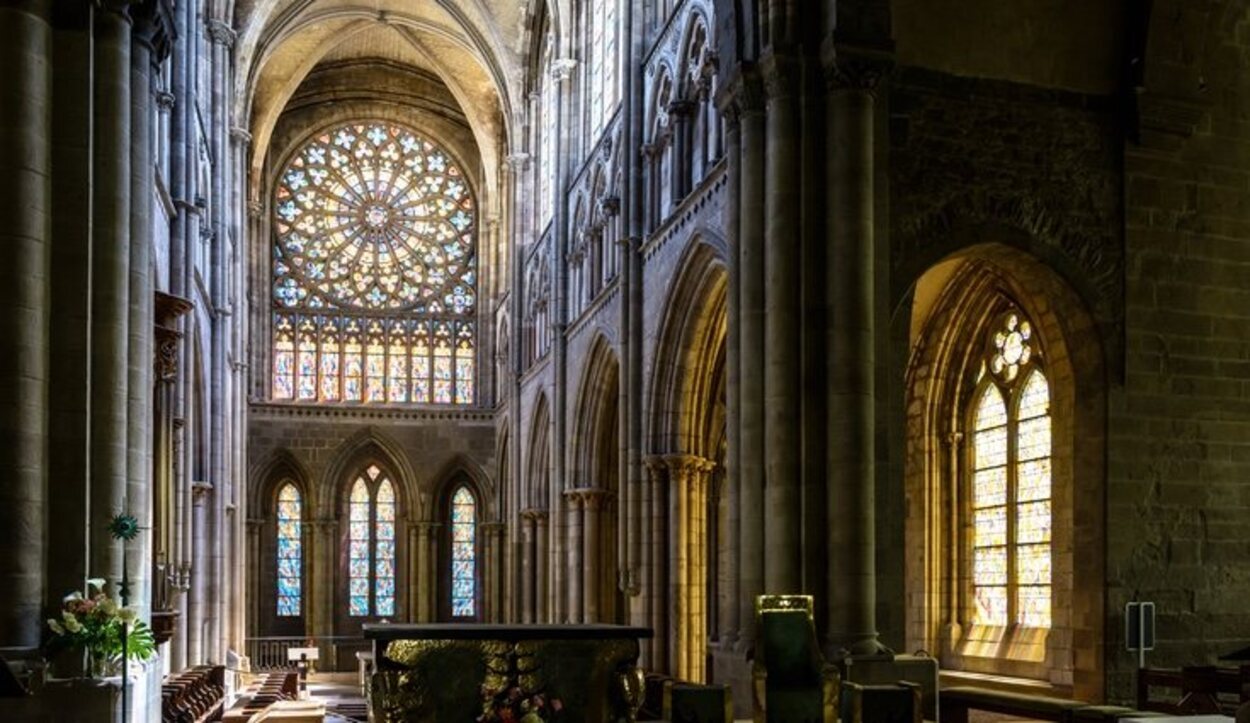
<point x="629" y="312"/>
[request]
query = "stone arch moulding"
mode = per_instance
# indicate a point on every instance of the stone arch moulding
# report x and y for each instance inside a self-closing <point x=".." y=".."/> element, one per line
<point x="940" y="355"/>
<point x="1092" y="267"/>
<point x="272" y="469"/>
<point x="455" y="471"/>
<point x="596" y="394"/>
<point x="696" y="302"/>
<point x="538" y="461"/>
<point x="371" y="443"/>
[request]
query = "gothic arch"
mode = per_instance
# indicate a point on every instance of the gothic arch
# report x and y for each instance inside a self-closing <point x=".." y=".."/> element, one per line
<point x="689" y="348"/>
<point x="595" y="410"/>
<point x="949" y="319"/>
<point x="461" y="469"/>
<point x="370" y="444"/>
<point x="279" y="465"/>
<point x="536" y="487"/>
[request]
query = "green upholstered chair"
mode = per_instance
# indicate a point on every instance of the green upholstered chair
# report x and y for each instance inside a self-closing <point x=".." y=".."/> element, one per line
<point x="792" y="681"/>
<point x="691" y="703"/>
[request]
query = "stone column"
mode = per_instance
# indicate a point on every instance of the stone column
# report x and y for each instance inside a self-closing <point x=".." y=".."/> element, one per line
<point x="681" y="112"/>
<point x="140" y="433"/>
<point x="851" y="344"/>
<point x="69" y="298"/>
<point x="593" y="501"/>
<point x="110" y="284"/>
<point x="544" y="607"/>
<point x="426" y="574"/>
<point x="197" y="598"/>
<point x="574" y="546"/>
<point x="529" y="565"/>
<point x="658" y="569"/>
<point x="492" y="604"/>
<point x="727" y="617"/>
<point x="679" y="530"/>
<point x="782" y="521"/>
<point x="25" y="210"/>
<point x="749" y="99"/>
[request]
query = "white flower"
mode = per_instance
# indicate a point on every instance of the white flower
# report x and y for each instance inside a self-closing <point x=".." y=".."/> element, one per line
<point x="75" y="595"/>
<point x="109" y="606"/>
<point x="126" y="614"/>
<point x="56" y="627"/>
<point x="96" y="582"/>
<point x="71" y="623"/>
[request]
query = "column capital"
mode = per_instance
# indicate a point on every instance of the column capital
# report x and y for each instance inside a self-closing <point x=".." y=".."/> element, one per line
<point x="573" y="497"/>
<point x="534" y="513"/>
<point x="240" y="135"/>
<point x="517" y="161"/>
<point x="610" y="206"/>
<point x="781" y="76"/>
<point x="221" y="33"/>
<point x="425" y="527"/>
<point x="200" y="490"/>
<point x="849" y="67"/>
<point x="593" y="498"/>
<point x="491" y="528"/>
<point x="164" y="101"/>
<point x="562" y="69"/>
<point x="323" y="524"/>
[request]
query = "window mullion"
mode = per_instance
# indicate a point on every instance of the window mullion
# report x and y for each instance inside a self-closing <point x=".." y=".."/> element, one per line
<point x="1012" y="457"/>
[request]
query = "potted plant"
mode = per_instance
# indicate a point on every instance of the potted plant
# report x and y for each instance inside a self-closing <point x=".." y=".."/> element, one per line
<point x="93" y="623"/>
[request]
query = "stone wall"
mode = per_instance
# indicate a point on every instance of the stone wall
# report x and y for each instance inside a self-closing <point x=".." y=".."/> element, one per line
<point x="1178" y="497"/>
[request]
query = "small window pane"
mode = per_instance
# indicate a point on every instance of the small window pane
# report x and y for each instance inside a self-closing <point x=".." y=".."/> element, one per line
<point x="463" y="554"/>
<point x="290" y="558"/>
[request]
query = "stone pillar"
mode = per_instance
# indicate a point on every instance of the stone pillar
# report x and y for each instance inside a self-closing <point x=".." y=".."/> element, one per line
<point x="140" y="433"/>
<point x="426" y="574"/>
<point x="197" y="599"/>
<point x="679" y="531"/>
<point x="492" y="539"/>
<point x="573" y="507"/>
<point x="69" y="399"/>
<point x="682" y="114"/>
<point x="110" y="284"/>
<point x="25" y="210"/>
<point x="751" y="339"/>
<point x="782" y="349"/>
<point x="593" y="501"/>
<point x="657" y="563"/>
<point x="851" y="344"/>
<point x="544" y="607"/>
<point x="529" y="565"/>
<point x="727" y="618"/>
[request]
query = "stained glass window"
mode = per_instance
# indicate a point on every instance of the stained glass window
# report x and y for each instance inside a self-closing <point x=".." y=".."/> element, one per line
<point x="603" y="64"/>
<point x="463" y="554"/>
<point x="372" y="554"/>
<point x="1011" y="506"/>
<point x="290" y="557"/>
<point x="375" y="228"/>
<point x="360" y="552"/>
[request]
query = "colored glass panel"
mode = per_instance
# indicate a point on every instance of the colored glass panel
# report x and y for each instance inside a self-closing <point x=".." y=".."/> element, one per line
<point x="290" y="559"/>
<point x="463" y="553"/>
<point x="442" y="363"/>
<point x="384" y="536"/>
<point x="358" y="564"/>
<point x="374" y="224"/>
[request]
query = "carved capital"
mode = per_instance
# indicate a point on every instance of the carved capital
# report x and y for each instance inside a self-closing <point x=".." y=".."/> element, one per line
<point x="518" y="161"/>
<point x="610" y="206"/>
<point x="240" y="135"/>
<point x="165" y="101"/>
<point x="200" y="490"/>
<point x="854" y="68"/>
<point x="255" y="209"/>
<point x="781" y="76"/>
<point x="681" y="108"/>
<point x="562" y="69"/>
<point x="166" y="310"/>
<point x="221" y="33"/>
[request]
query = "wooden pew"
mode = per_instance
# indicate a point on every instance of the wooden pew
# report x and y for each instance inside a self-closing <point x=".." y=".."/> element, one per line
<point x="1200" y="689"/>
<point x="194" y="695"/>
<point x="954" y="704"/>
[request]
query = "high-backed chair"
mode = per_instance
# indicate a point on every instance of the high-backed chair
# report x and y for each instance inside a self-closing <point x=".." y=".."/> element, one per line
<point x="792" y="681"/>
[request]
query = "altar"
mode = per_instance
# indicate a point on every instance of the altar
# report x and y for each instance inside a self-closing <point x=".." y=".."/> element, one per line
<point x="454" y="673"/>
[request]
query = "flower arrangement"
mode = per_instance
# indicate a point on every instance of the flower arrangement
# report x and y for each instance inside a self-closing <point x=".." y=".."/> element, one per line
<point x="94" y="623"/>
<point x="512" y="705"/>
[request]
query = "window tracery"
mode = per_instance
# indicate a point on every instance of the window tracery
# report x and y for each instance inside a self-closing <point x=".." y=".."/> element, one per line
<point x="463" y="554"/>
<point x="371" y="545"/>
<point x="374" y="271"/>
<point x="1011" y="482"/>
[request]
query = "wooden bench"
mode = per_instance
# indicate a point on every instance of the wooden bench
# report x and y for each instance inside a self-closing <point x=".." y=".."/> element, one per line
<point x="954" y="704"/>
<point x="266" y="690"/>
<point x="194" y="695"/>
<point x="1199" y="689"/>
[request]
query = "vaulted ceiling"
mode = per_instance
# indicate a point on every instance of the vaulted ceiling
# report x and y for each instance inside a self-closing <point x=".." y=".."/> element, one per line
<point x="475" y="47"/>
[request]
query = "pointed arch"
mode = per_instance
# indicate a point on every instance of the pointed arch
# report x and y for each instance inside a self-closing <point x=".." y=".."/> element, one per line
<point x="962" y="451"/>
<point x="536" y="487"/>
<point x="594" y="418"/>
<point x="689" y="360"/>
<point x="370" y="444"/>
<point x="456" y="470"/>
<point x="266" y="474"/>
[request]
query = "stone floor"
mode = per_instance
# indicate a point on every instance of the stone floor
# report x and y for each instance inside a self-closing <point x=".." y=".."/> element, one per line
<point x="341" y="693"/>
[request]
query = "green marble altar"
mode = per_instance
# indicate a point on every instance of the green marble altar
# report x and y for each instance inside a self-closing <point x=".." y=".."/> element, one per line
<point x="450" y="673"/>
